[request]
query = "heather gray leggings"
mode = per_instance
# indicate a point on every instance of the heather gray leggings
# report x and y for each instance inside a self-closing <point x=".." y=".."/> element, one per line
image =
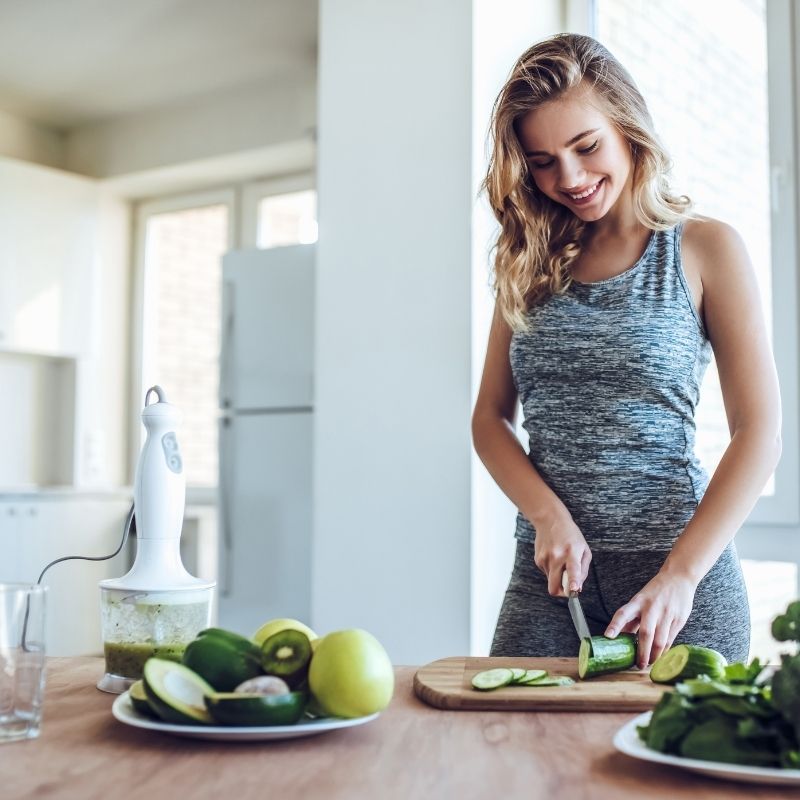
<point x="532" y="623"/>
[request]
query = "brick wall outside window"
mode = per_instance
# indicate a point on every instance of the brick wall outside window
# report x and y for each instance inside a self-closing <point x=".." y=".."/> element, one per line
<point x="184" y="249"/>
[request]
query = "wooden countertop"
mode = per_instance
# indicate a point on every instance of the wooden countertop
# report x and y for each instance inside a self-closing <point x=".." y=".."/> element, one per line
<point x="410" y="751"/>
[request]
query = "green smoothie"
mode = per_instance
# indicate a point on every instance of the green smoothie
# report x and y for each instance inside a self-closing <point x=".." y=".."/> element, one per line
<point x="127" y="658"/>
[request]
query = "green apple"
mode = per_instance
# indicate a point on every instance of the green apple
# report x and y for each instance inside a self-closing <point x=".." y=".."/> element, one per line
<point x="278" y="625"/>
<point x="351" y="674"/>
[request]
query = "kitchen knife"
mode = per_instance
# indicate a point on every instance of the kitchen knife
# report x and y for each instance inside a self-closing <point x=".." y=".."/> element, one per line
<point x="575" y="610"/>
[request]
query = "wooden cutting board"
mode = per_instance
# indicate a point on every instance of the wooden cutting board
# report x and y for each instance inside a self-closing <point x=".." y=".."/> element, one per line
<point x="447" y="684"/>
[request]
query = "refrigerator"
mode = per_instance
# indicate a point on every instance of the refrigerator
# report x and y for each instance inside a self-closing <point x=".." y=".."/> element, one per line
<point x="265" y="436"/>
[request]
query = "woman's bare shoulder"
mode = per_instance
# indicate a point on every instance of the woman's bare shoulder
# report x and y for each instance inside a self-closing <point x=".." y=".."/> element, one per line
<point x="712" y="246"/>
<point x="707" y="235"/>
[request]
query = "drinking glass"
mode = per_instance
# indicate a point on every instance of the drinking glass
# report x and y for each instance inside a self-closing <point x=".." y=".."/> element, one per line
<point x="22" y="673"/>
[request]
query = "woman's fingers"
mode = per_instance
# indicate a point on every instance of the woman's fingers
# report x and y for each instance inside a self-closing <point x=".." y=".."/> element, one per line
<point x="586" y="559"/>
<point x="573" y="570"/>
<point x="661" y="639"/>
<point x="626" y="615"/>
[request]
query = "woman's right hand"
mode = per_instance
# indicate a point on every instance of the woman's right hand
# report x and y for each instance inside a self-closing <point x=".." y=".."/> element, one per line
<point x="560" y="546"/>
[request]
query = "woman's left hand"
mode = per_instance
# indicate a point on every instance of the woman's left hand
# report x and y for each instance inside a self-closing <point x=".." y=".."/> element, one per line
<point x="658" y="612"/>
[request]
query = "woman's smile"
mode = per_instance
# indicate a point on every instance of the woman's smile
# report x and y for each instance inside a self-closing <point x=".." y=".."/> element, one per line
<point x="586" y="195"/>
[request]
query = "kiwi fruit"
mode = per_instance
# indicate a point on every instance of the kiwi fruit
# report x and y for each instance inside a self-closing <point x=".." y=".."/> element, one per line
<point x="286" y="654"/>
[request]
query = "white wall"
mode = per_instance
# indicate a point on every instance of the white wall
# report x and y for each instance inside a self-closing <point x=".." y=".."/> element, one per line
<point x="392" y="399"/>
<point x="243" y="119"/>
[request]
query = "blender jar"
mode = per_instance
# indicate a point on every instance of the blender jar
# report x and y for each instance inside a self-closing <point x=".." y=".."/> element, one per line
<point x="138" y="625"/>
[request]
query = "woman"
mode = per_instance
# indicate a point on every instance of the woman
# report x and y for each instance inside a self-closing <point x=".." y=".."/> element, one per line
<point x="610" y="295"/>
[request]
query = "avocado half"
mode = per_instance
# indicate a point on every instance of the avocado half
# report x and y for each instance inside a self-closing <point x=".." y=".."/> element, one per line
<point x="230" y="708"/>
<point x="176" y="693"/>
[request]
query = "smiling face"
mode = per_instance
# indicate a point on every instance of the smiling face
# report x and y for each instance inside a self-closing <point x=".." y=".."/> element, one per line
<point x="577" y="156"/>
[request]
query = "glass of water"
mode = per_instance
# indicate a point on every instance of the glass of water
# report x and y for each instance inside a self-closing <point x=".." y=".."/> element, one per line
<point x="22" y="616"/>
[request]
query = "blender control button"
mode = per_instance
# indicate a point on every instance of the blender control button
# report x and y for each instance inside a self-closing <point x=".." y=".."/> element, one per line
<point x="169" y="441"/>
<point x="175" y="463"/>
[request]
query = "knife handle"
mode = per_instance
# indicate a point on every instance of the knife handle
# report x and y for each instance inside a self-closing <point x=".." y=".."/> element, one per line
<point x="565" y="582"/>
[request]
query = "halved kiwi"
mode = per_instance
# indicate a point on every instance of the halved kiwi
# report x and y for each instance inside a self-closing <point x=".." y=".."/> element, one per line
<point x="286" y="654"/>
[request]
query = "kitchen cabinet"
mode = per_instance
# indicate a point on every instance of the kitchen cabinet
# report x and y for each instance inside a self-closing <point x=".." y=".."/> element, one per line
<point x="48" y="221"/>
<point x="35" y="531"/>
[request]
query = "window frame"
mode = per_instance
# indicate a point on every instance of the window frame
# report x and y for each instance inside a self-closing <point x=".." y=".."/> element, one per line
<point x="254" y="192"/>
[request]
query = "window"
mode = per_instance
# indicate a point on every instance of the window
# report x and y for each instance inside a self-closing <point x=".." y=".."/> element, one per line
<point x="771" y="586"/>
<point x="181" y="241"/>
<point x="285" y="219"/>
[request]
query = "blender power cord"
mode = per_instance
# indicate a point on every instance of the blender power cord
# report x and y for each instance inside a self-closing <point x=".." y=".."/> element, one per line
<point x="130" y="524"/>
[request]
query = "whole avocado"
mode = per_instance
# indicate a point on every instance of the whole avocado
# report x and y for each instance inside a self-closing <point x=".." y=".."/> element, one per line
<point x="223" y="658"/>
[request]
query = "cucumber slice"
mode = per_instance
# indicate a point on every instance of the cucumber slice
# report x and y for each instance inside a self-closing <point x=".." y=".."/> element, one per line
<point x="492" y="679"/>
<point x="599" y="655"/>
<point x="519" y="674"/>
<point x="533" y="675"/>
<point x="686" y="661"/>
<point x="552" y="680"/>
<point x="175" y="693"/>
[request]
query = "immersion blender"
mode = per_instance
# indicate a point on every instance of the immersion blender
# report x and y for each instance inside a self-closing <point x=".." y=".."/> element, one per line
<point x="157" y="608"/>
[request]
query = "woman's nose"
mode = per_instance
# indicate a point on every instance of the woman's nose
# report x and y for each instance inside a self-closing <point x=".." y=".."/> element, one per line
<point x="571" y="174"/>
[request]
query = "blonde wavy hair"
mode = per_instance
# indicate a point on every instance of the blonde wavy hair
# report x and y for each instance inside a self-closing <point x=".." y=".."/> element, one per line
<point x="539" y="239"/>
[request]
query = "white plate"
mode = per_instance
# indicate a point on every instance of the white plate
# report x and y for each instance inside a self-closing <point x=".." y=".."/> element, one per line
<point x="627" y="741"/>
<point x="124" y="711"/>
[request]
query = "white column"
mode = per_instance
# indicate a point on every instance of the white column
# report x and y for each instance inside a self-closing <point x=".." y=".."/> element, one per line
<point x="394" y="371"/>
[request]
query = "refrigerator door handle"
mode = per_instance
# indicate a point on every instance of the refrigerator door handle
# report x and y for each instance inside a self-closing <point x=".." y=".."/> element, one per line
<point x="226" y="537"/>
<point x="226" y="369"/>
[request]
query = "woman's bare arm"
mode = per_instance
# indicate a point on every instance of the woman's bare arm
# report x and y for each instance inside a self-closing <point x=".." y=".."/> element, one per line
<point x="559" y="543"/>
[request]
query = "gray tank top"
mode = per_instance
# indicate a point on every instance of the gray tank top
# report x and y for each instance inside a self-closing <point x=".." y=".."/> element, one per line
<point x="609" y="377"/>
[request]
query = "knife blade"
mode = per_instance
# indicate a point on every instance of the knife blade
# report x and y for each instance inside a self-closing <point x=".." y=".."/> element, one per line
<point x="575" y="610"/>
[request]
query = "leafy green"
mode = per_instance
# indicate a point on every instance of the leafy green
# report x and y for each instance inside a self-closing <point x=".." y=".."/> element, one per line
<point x="736" y="718"/>
<point x="718" y="739"/>
<point x="786" y="681"/>
<point x="786" y="691"/>
<point x="786" y="627"/>
<point x="743" y="673"/>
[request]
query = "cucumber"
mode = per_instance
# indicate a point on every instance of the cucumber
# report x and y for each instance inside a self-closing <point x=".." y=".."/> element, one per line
<point x="599" y="655"/>
<point x="519" y="674"/>
<point x="492" y="679"/>
<point x="686" y="661"/>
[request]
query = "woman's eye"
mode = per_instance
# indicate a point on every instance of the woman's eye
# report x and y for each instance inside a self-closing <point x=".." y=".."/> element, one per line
<point x="583" y="151"/>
